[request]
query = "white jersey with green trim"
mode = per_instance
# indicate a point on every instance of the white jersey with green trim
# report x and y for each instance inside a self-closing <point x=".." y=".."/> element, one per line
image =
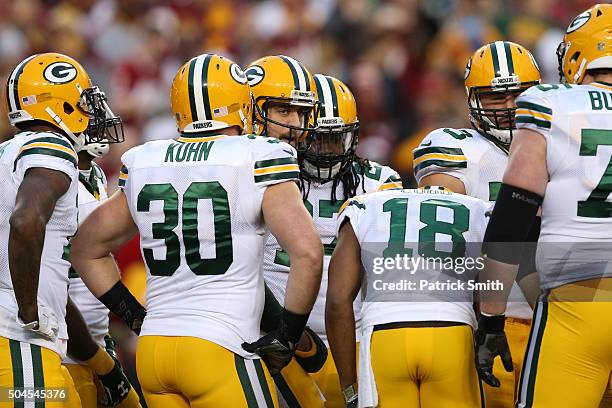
<point x="480" y="165"/>
<point x="464" y="154"/>
<point x="325" y="213"/>
<point x="92" y="192"/>
<point x="197" y="204"/>
<point x="38" y="150"/>
<point x="576" y="121"/>
<point x="414" y="219"/>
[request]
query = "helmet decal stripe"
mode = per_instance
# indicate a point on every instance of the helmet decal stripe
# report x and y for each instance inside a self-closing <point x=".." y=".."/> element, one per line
<point x="298" y="76"/>
<point x="205" y="97"/>
<point x="12" y="91"/>
<point x="305" y="73"/>
<point x="325" y="96"/>
<point x="334" y="96"/>
<point x="192" y="103"/>
<point x="509" y="58"/>
<point x="200" y="87"/>
<point x="495" y="59"/>
<point x="503" y="60"/>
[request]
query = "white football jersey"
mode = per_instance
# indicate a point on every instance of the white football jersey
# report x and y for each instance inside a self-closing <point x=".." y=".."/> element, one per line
<point x="414" y="220"/>
<point x="92" y="191"/>
<point x="197" y="204"/>
<point x="480" y="165"/>
<point x="325" y="213"/>
<point x="576" y="121"/>
<point x="25" y="151"/>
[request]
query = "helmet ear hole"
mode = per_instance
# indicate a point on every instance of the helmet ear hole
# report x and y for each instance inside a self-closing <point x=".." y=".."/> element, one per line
<point x="68" y="109"/>
<point x="575" y="57"/>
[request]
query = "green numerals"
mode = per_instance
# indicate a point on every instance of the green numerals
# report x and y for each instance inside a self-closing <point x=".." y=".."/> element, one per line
<point x="433" y="226"/>
<point x="398" y="207"/>
<point x="165" y="230"/>
<point x="457" y="134"/>
<point x="162" y="230"/>
<point x="550" y="87"/>
<point x="211" y="190"/>
<point x="596" y="206"/>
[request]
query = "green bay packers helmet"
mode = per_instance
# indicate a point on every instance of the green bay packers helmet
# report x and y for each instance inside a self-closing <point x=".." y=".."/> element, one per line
<point x="55" y="89"/>
<point x="326" y="152"/>
<point x="587" y="44"/>
<point x="284" y="80"/>
<point x="498" y="67"/>
<point x="210" y="92"/>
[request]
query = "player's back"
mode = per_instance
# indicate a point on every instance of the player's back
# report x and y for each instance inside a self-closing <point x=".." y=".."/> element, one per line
<point x="576" y="121"/>
<point x="197" y="205"/>
<point x="417" y="236"/>
<point x="52" y="151"/>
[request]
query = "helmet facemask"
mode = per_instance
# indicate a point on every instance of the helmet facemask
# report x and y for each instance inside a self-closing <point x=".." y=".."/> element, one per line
<point x="304" y="100"/>
<point x="326" y="153"/>
<point x="104" y="126"/>
<point x="496" y="123"/>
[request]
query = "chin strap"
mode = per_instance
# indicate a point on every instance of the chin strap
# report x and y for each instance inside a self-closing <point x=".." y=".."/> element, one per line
<point x="79" y="141"/>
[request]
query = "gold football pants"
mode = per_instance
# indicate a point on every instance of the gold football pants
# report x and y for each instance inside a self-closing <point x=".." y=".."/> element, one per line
<point x="181" y="372"/>
<point x="569" y="356"/>
<point x="27" y="366"/>
<point x="426" y="367"/>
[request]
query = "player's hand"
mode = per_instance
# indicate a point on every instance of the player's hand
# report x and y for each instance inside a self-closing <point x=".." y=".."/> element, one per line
<point x="115" y="384"/>
<point x="491" y="342"/>
<point x="46" y="326"/>
<point x="350" y="396"/>
<point x="274" y="349"/>
<point x="313" y="359"/>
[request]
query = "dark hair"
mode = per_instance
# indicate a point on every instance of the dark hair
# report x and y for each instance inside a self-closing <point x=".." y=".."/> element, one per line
<point x="351" y="175"/>
<point x="599" y="71"/>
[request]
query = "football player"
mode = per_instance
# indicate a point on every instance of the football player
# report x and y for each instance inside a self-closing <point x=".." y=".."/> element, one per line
<point x="472" y="162"/>
<point x="201" y="203"/>
<point x="416" y="348"/>
<point x="560" y="159"/>
<point x="330" y="172"/>
<point x="284" y="104"/>
<point x="53" y="102"/>
<point x="92" y="190"/>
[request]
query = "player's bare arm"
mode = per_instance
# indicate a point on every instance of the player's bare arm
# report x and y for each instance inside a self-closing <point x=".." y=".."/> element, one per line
<point x="106" y="229"/>
<point x="34" y="205"/>
<point x="444" y="180"/>
<point x="343" y="286"/>
<point x="289" y="221"/>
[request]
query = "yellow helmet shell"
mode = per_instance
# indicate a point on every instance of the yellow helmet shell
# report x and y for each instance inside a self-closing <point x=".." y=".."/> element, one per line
<point x="337" y="103"/>
<point x="210" y="92"/>
<point x="47" y="87"/>
<point x="279" y="78"/>
<point x="501" y="64"/>
<point x="587" y="44"/>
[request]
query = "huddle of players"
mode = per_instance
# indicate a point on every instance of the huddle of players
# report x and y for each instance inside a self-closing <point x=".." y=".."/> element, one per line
<point x="202" y="204"/>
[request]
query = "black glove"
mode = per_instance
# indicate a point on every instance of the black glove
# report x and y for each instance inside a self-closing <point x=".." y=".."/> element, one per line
<point x="315" y="362"/>
<point x="491" y="342"/>
<point x="278" y="347"/>
<point x="115" y="384"/>
<point x="350" y="396"/>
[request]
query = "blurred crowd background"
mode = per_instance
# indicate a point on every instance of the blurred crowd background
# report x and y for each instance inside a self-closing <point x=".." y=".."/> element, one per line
<point x="403" y="59"/>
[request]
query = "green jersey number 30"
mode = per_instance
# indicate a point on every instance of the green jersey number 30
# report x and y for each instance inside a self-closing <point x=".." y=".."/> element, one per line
<point x="209" y="190"/>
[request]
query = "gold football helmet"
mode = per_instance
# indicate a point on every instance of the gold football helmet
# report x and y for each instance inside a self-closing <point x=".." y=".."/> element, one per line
<point x="498" y="67"/>
<point x="587" y="44"/>
<point x="210" y="92"/>
<point x="56" y="89"/>
<point x="284" y="80"/>
<point x="325" y="152"/>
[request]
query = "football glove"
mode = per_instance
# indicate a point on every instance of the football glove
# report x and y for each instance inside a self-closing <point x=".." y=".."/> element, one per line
<point x="278" y="347"/>
<point x="46" y="326"/>
<point x="350" y="396"/>
<point x="314" y="359"/>
<point x="115" y="384"/>
<point x="491" y="342"/>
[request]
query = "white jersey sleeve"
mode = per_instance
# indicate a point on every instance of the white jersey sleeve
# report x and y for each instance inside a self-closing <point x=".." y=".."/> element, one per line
<point x="274" y="162"/>
<point x="48" y="150"/>
<point x="441" y="152"/>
